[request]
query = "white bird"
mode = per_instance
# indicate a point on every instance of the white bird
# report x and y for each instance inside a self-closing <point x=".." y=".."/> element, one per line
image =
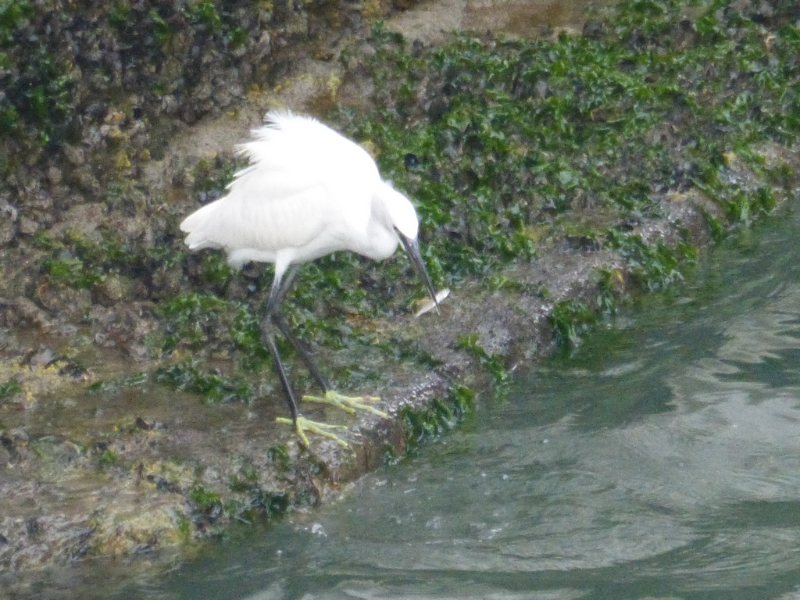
<point x="308" y="192"/>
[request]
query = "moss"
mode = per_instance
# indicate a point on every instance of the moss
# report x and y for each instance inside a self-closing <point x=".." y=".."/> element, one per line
<point x="279" y="456"/>
<point x="504" y="133"/>
<point x="271" y="504"/>
<point x="511" y="148"/>
<point x="207" y="322"/>
<point x="185" y="527"/>
<point x="498" y="141"/>
<point x="434" y="420"/>
<point x="115" y="385"/>
<point x="62" y="81"/>
<point x="503" y="143"/>
<point x="493" y="363"/>
<point x="213" y="174"/>
<point x="71" y="271"/>
<point x="12" y="12"/>
<point x="204" y="12"/>
<point x="568" y="318"/>
<point x="611" y="289"/>
<point x="652" y="266"/>
<point x="214" y="387"/>
<point x="108" y="458"/>
<point x="391" y="455"/>
<point x="505" y="283"/>
<point x="207" y="502"/>
<point x="10" y="388"/>
<point x="85" y="262"/>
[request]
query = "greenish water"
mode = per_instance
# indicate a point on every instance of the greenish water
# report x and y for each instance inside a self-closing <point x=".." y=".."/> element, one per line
<point x="662" y="461"/>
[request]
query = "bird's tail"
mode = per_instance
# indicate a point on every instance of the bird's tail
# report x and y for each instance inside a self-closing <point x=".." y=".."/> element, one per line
<point x="196" y="225"/>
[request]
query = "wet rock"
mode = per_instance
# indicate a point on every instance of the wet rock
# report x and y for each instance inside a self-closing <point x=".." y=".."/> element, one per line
<point x="765" y="10"/>
<point x="225" y="95"/>
<point x="203" y="91"/>
<point x="593" y="29"/>
<point x="19" y="435"/>
<point x="239" y="288"/>
<point x="82" y="219"/>
<point x="541" y="89"/>
<point x="114" y="117"/>
<point x="10" y="454"/>
<point x="120" y="534"/>
<point x="142" y="424"/>
<point x="38" y="540"/>
<point x="125" y="326"/>
<point x="74" y="155"/>
<point x="116" y="321"/>
<point x="114" y="289"/>
<point x="37" y="199"/>
<point x="262" y="47"/>
<point x="8" y="221"/>
<point x="170" y="105"/>
<point x="42" y="358"/>
<point x="22" y="312"/>
<point x="85" y="180"/>
<point x="404" y="4"/>
<point x="128" y="226"/>
<point x="134" y="200"/>
<point x="64" y="301"/>
<point x="54" y="175"/>
<point x="28" y="226"/>
<point x="166" y="282"/>
<point x="121" y="160"/>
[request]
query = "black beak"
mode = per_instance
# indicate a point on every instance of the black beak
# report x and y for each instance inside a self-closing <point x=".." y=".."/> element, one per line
<point x="412" y="250"/>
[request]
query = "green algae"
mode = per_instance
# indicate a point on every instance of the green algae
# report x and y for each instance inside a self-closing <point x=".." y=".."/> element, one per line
<point x="493" y="363"/>
<point x="652" y="266"/>
<point x="428" y="423"/>
<point x="498" y="137"/>
<point x="499" y="140"/>
<point x="108" y="458"/>
<point x="505" y="133"/>
<point x="206" y="501"/>
<point x="568" y="318"/>
<point x="510" y="148"/>
<point x="10" y="388"/>
<point x="213" y="387"/>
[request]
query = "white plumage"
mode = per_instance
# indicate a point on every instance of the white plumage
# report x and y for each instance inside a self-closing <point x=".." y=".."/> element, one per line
<point x="308" y="192"/>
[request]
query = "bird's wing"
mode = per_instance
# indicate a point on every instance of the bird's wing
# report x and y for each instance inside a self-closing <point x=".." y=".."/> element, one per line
<point x="263" y="223"/>
<point x="304" y="180"/>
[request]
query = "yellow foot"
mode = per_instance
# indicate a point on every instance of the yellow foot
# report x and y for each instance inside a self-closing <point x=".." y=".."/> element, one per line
<point x="322" y="429"/>
<point x="348" y="403"/>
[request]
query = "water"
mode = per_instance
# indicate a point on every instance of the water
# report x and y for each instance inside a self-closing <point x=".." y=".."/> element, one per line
<point x="662" y="461"/>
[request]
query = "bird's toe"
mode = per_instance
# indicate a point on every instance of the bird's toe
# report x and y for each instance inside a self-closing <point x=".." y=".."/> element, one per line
<point x="301" y="425"/>
<point x="348" y="403"/>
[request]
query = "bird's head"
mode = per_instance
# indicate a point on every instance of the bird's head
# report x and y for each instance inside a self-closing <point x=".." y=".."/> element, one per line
<point x="401" y="213"/>
<point x="404" y="221"/>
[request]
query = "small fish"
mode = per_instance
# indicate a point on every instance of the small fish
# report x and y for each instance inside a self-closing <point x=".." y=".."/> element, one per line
<point x="429" y="304"/>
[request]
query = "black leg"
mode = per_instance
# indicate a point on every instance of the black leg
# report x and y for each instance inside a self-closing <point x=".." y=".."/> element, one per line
<point x="277" y="294"/>
<point x="272" y="317"/>
<point x="305" y="356"/>
<point x="269" y="341"/>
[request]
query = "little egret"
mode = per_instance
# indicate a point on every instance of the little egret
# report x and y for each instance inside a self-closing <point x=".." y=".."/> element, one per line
<point x="307" y="192"/>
